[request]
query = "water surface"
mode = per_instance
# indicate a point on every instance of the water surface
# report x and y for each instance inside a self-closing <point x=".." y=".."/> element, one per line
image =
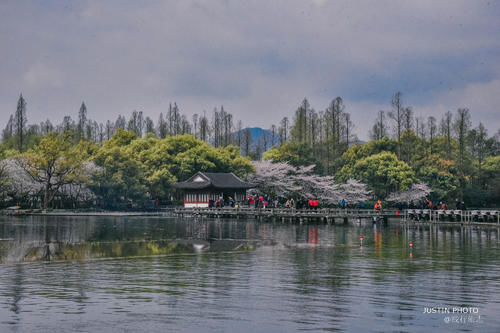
<point x="115" y="274"/>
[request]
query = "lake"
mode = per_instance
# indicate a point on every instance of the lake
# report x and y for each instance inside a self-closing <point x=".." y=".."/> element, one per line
<point x="157" y="274"/>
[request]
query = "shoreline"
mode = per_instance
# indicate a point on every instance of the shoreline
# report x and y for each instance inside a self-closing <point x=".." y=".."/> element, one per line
<point x="84" y="213"/>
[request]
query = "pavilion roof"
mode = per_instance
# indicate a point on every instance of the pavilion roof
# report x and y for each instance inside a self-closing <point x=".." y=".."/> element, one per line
<point x="202" y="180"/>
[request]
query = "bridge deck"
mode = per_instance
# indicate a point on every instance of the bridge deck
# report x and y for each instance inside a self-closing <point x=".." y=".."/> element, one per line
<point x="287" y="213"/>
<point x="330" y="214"/>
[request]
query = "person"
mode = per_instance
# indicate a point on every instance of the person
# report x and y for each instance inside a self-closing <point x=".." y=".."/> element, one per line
<point x="292" y="203"/>
<point x="342" y="203"/>
<point x="316" y="204"/>
<point x="463" y="205"/>
<point x="429" y="204"/>
<point x="443" y="205"/>
<point x="378" y="205"/>
<point x="249" y="200"/>
<point x="458" y="204"/>
<point x="256" y="200"/>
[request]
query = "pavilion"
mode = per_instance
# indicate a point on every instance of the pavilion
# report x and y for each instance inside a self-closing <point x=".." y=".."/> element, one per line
<point x="204" y="188"/>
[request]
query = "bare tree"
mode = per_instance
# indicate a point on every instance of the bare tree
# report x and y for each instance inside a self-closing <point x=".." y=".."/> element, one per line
<point x="162" y="127"/>
<point x="247" y="141"/>
<point x="446" y="127"/>
<point x="461" y="125"/>
<point x="432" y="128"/>
<point x="379" y="129"/>
<point x="397" y="115"/>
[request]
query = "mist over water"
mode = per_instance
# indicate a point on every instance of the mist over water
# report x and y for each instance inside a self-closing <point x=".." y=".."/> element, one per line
<point x="168" y="274"/>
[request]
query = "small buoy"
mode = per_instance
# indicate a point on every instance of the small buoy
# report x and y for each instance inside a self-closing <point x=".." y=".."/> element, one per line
<point x="361" y="238"/>
<point x="411" y="243"/>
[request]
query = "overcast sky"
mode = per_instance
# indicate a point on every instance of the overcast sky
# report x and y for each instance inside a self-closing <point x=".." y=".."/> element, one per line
<point x="257" y="58"/>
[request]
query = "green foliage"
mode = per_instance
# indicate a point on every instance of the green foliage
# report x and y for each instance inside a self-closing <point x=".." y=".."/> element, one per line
<point x="54" y="162"/>
<point x="135" y="168"/>
<point x="294" y="153"/>
<point x="440" y="175"/>
<point x="121" y="176"/>
<point x="382" y="172"/>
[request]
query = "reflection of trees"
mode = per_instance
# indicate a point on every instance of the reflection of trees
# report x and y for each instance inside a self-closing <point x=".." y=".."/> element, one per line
<point x="325" y="265"/>
<point x="74" y="238"/>
<point x="39" y="237"/>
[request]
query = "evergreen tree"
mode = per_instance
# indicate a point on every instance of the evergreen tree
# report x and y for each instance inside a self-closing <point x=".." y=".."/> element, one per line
<point x="20" y="122"/>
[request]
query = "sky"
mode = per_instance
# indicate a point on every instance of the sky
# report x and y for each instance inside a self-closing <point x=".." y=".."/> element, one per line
<point x="258" y="59"/>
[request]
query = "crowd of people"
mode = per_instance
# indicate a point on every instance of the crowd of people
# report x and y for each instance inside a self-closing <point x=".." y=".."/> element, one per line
<point x="265" y="201"/>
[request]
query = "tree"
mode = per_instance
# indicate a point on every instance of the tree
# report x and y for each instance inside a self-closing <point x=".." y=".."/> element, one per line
<point x="379" y="129"/>
<point x="20" y="122"/>
<point x="150" y="126"/>
<point x="121" y="176"/>
<point x="18" y="187"/>
<point x="4" y="182"/>
<point x="431" y="125"/>
<point x="283" y="179"/>
<point x="8" y="132"/>
<point x="283" y="130"/>
<point x="354" y="191"/>
<point x="297" y="154"/>
<point x="109" y="130"/>
<point x="299" y="130"/>
<point x="52" y="163"/>
<point x="120" y="122"/>
<point x="162" y="127"/>
<point x="446" y="128"/>
<point x="247" y="141"/>
<point x="416" y="193"/>
<point x="82" y="121"/>
<point x="440" y="174"/>
<point x="461" y="126"/>
<point x="397" y="115"/>
<point x="383" y="173"/>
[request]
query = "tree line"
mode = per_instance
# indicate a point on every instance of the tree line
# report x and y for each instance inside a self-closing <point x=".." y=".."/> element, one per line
<point x="457" y="160"/>
<point x="454" y="158"/>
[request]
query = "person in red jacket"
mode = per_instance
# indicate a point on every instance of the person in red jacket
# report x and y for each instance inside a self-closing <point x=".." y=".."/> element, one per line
<point x="316" y="204"/>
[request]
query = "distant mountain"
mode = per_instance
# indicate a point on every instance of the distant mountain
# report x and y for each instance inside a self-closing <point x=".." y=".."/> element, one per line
<point x="258" y="134"/>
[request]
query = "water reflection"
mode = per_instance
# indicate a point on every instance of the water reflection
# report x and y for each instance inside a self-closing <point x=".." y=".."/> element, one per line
<point x="296" y="277"/>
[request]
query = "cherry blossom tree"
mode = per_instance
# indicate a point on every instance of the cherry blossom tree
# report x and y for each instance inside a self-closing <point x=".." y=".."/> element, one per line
<point x="21" y="187"/>
<point x="353" y="191"/>
<point x="415" y="193"/>
<point x="284" y="179"/>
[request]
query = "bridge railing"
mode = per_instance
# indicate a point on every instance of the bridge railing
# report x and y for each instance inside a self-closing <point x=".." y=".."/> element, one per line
<point x="289" y="211"/>
<point x="475" y="215"/>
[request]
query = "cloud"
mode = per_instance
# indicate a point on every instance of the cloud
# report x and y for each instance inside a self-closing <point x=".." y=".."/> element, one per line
<point x="257" y="58"/>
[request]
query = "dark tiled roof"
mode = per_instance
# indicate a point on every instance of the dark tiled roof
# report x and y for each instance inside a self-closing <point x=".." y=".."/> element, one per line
<point x="216" y="180"/>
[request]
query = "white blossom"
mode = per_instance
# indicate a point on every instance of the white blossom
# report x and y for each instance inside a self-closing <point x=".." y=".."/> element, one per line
<point x="415" y="193"/>
<point x="284" y="179"/>
<point x="354" y="191"/>
<point x="21" y="184"/>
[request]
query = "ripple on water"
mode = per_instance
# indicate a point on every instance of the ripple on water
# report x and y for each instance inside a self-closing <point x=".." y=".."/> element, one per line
<point x="334" y="285"/>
